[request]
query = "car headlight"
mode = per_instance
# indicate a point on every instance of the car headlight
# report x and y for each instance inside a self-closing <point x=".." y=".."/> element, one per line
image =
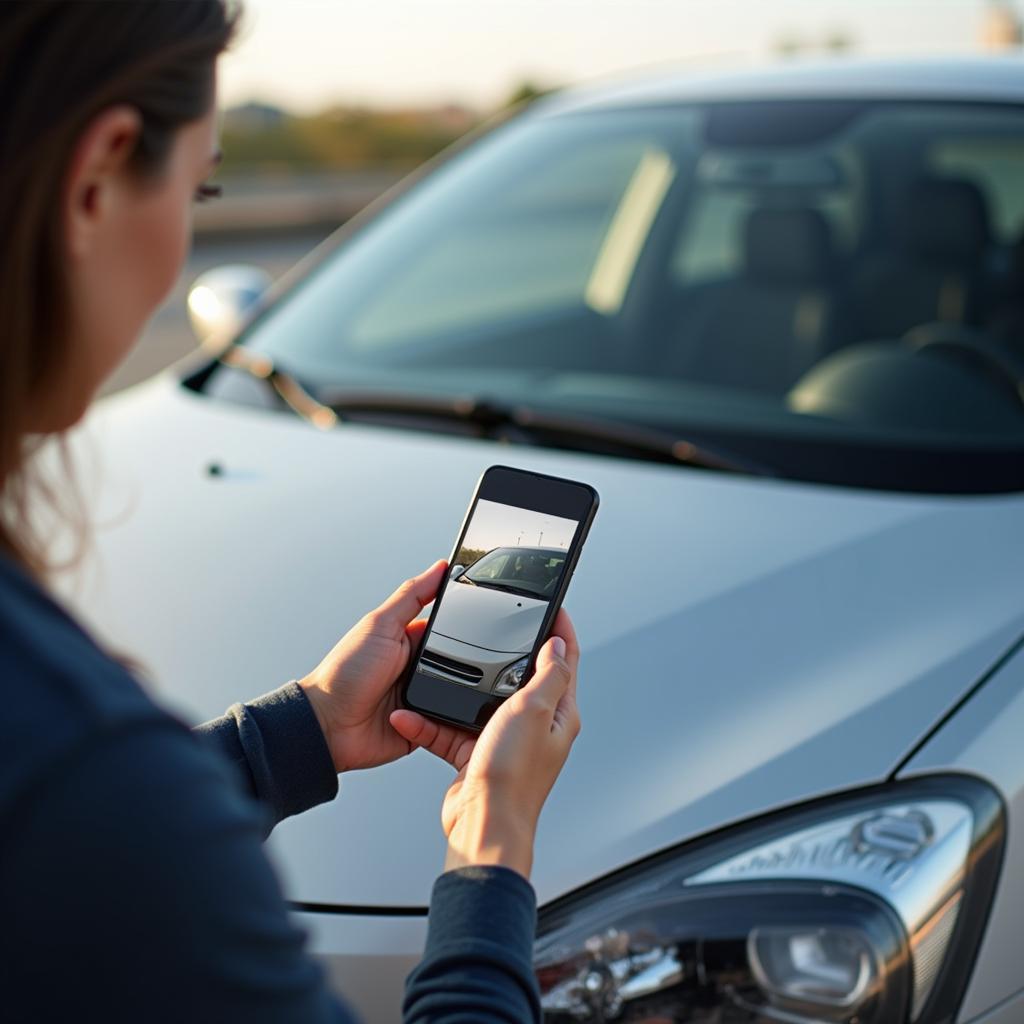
<point x="511" y="678"/>
<point x="866" y="908"/>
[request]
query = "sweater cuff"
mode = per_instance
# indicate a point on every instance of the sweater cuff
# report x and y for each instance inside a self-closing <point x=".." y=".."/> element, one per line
<point x="484" y="901"/>
<point x="479" y="951"/>
<point x="283" y="749"/>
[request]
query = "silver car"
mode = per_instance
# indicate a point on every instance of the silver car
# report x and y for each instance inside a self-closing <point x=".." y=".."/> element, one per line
<point x="490" y="617"/>
<point x="777" y="320"/>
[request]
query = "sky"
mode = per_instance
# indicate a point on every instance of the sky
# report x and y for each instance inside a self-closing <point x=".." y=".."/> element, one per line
<point x="496" y="526"/>
<point x="308" y="54"/>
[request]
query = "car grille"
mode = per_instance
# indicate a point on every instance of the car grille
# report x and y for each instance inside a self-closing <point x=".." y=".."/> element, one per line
<point x="449" y="668"/>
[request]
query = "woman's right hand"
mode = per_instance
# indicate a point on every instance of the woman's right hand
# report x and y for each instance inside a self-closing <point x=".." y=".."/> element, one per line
<point x="505" y="773"/>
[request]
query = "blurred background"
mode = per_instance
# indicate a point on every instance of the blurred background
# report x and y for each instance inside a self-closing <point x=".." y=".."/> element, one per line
<point x="326" y="103"/>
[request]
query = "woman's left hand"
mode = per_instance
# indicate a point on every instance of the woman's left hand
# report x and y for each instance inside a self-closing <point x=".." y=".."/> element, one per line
<point x="352" y="690"/>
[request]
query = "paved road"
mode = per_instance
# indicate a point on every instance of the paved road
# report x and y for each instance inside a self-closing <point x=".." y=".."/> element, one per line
<point x="169" y="336"/>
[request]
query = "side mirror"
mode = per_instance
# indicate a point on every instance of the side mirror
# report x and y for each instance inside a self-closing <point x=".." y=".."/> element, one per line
<point x="220" y="300"/>
<point x="456" y="571"/>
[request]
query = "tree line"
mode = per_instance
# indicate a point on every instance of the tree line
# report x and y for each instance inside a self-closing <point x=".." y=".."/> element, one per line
<point x="257" y="138"/>
<point x="467" y="556"/>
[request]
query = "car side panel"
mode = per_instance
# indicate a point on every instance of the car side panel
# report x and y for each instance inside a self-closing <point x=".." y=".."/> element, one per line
<point x="366" y="958"/>
<point x="984" y="738"/>
<point x="1010" y="1012"/>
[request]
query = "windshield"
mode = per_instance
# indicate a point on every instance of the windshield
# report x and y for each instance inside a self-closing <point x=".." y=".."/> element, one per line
<point x="531" y="572"/>
<point x="832" y="289"/>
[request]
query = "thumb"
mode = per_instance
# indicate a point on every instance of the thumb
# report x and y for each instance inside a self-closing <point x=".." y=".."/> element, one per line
<point x="553" y="650"/>
<point x="409" y="599"/>
<point x="552" y="678"/>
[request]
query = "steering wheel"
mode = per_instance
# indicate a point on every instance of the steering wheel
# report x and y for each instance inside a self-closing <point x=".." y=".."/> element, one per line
<point x="971" y="347"/>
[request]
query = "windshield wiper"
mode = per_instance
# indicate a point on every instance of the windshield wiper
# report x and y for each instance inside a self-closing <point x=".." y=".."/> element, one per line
<point x="492" y="419"/>
<point x="508" y="588"/>
<point x="496" y="420"/>
<point x="284" y="385"/>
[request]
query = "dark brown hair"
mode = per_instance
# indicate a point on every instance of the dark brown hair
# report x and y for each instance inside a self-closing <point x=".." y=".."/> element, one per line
<point x="62" y="62"/>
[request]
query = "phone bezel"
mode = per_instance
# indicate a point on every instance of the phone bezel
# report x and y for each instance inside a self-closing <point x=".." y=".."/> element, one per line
<point x="462" y="705"/>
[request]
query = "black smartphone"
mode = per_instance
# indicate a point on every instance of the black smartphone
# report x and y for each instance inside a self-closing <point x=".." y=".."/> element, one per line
<point x="507" y="576"/>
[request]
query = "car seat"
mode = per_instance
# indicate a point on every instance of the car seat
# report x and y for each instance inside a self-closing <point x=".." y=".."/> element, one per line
<point x="762" y="330"/>
<point x="934" y="273"/>
<point x="532" y="570"/>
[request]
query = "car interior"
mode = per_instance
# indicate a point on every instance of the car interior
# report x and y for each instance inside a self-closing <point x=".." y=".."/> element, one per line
<point x="843" y="323"/>
<point x="937" y="287"/>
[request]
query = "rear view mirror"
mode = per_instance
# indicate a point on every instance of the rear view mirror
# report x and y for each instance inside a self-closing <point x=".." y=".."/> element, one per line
<point x="456" y="571"/>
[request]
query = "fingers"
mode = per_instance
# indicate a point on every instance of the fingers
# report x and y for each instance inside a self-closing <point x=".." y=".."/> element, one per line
<point x="564" y="628"/>
<point x="410" y="598"/>
<point x="553" y="678"/>
<point x="414" y="631"/>
<point x="443" y="741"/>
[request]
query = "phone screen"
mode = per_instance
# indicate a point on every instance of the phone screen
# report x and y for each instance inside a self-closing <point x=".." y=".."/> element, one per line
<point x="501" y="583"/>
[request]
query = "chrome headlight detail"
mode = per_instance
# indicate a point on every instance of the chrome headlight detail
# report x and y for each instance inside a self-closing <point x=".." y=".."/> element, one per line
<point x="510" y="679"/>
<point x="912" y="855"/>
<point x="868" y="908"/>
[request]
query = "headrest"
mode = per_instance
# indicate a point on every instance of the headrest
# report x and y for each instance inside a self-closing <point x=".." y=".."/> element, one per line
<point x="788" y="246"/>
<point x="947" y="222"/>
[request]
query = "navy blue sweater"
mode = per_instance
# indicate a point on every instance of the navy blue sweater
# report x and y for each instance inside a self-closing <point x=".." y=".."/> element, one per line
<point x="133" y="882"/>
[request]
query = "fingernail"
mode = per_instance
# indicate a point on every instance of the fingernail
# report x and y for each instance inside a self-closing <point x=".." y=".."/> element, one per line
<point x="558" y="646"/>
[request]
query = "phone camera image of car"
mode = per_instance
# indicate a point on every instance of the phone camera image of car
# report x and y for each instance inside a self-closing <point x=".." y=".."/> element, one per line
<point x="499" y="588"/>
<point x="490" y="617"/>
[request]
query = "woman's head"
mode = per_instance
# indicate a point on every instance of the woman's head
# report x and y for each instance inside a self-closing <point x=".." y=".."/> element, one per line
<point x="106" y="131"/>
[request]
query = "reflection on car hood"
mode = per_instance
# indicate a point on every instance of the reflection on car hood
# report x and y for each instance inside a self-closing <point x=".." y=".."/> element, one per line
<point x="485" y="617"/>
<point x="747" y="643"/>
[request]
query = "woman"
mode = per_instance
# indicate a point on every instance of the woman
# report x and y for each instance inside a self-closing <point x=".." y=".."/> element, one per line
<point x="132" y="878"/>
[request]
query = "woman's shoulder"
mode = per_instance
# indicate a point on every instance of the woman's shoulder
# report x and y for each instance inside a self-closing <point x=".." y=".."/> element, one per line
<point x="57" y="686"/>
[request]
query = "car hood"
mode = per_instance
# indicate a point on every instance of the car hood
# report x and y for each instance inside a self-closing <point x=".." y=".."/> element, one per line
<point x="493" y="619"/>
<point x="747" y="643"/>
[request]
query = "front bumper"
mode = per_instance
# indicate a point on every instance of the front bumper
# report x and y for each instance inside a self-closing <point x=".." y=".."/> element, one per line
<point x="490" y="664"/>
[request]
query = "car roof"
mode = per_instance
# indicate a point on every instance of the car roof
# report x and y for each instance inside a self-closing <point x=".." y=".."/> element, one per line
<point x="998" y="79"/>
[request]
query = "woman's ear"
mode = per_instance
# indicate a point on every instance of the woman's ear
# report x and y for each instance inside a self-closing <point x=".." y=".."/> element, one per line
<point x="97" y="170"/>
